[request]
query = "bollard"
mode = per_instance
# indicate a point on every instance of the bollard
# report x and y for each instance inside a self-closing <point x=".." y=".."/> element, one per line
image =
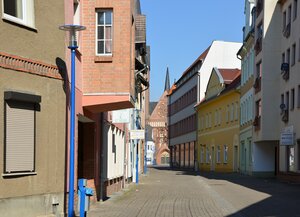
<point x="84" y="196"/>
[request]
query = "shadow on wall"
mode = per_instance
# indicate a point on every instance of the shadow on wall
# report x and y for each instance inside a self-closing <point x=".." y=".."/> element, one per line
<point x="62" y="69"/>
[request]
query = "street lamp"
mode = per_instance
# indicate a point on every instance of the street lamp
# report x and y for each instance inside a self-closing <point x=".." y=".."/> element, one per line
<point x="72" y="29"/>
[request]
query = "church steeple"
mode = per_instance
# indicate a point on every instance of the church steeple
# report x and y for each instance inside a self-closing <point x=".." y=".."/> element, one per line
<point x="167" y="81"/>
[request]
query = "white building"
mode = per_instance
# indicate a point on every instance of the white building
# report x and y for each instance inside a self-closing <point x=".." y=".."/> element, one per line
<point x="267" y="82"/>
<point x="150" y="152"/>
<point x="247" y="55"/>
<point x="289" y="90"/>
<point x="188" y="91"/>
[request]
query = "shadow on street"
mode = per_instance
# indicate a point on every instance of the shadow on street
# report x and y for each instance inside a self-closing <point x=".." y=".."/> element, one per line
<point x="283" y="200"/>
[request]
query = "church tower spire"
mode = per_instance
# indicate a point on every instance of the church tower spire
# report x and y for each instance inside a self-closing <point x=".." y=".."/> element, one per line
<point x="167" y="81"/>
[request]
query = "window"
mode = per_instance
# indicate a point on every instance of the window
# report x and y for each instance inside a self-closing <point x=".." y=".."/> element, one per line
<point x="207" y="155"/>
<point x="259" y="29"/>
<point x="232" y="112"/>
<point x="258" y="69"/>
<point x="295" y="9"/>
<point x="287" y="98"/>
<point x="291" y="158"/>
<point x="236" y="111"/>
<point x="218" y="154"/>
<point x="216" y="117"/>
<point x="283" y="57"/>
<point x="104" y="32"/>
<point x="227" y="114"/>
<point x="225" y="153"/>
<point x="242" y="114"/>
<point x="20" y="136"/>
<point x="202" y="155"/>
<point x="292" y="99"/>
<point x="289" y="14"/>
<point x="293" y="54"/>
<point x="250" y="151"/>
<point x="258" y="108"/>
<point x="114" y="147"/>
<point x="20" y="132"/>
<point x="19" y="11"/>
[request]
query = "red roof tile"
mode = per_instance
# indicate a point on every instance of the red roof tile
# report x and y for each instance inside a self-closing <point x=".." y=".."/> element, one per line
<point x="201" y="57"/>
<point x="229" y="74"/>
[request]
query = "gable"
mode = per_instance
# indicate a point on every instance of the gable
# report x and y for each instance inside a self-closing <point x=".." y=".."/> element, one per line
<point x="160" y="112"/>
<point x="214" y="86"/>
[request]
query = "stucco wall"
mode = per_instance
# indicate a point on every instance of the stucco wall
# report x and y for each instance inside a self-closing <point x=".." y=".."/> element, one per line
<point x="45" y="42"/>
<point x="49" y="149"/>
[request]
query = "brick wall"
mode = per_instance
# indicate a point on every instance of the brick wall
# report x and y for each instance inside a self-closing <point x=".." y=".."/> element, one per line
<point x="108" y="74"/>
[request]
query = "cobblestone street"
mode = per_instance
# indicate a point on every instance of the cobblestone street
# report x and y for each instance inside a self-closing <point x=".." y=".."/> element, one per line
<point x="177" y="193"/>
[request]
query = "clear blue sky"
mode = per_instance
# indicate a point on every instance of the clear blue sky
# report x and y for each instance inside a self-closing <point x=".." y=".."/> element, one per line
<point x="178" y="31"/>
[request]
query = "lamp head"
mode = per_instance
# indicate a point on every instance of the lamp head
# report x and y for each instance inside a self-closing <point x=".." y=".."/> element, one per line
<point x="72" y="29"/>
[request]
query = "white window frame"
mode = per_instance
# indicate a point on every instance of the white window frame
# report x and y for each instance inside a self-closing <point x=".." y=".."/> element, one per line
<point x="27" y="12"/>
<point x="104" y="25"/>
<point x="225" y="154"/>
<point x="207" y="155"/>
<point x="231" y="112"/>
<point x="218" y="154"/>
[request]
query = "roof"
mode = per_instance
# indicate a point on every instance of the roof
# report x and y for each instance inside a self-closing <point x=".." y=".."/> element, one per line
<point x="200" y="58"/>
<point x="229" y="74"/>
<point x="172" y="89"/>
<point x="233" y="77"/>
<point x="152" y="106"/>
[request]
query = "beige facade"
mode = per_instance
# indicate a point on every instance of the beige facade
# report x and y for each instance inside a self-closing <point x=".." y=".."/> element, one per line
<point x="289" y="91"/>
<point x="32" y="166"/>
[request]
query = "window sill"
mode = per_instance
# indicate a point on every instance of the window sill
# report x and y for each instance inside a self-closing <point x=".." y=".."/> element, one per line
<point x="18" y="174"/>
<point x="15" y="22"/>
<point x="103" y="59"/>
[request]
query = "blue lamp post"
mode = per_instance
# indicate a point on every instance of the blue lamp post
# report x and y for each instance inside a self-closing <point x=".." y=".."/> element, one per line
<point x="72" y="29"/>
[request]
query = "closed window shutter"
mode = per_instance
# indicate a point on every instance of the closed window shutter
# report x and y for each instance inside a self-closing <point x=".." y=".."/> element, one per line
<point x="20" y="137"/>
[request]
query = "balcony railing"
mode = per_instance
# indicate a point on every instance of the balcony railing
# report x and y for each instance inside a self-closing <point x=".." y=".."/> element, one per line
<point x="285" y="71"/>
<point x="259" y="7"/>
<point x="258" y="45"/>
<point x="287" y="30"/>
<point x="257" y="84"/>
<point x="285" y="115"/>
<point x="256" y="123"/>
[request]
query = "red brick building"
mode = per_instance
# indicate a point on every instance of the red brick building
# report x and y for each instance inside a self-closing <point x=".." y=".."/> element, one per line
<point x="158" y="123"/>
<point x="106" y="80"/>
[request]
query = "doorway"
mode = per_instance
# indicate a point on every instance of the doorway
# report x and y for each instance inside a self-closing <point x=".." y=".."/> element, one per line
<point x="86" y="158"/>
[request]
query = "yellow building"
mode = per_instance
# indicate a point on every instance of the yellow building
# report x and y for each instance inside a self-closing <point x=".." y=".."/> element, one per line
<point x="218" y="122"/>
